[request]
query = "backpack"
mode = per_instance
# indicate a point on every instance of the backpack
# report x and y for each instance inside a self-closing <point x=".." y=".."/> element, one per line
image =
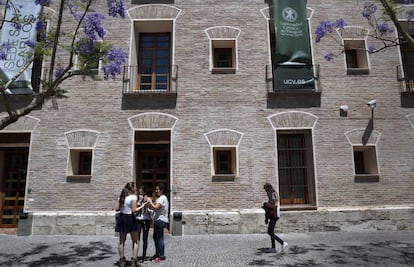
<point x="270" y="210"/>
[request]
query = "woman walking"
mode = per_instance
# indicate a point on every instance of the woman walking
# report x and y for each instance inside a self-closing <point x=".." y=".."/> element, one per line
<point x="273" y="213"/>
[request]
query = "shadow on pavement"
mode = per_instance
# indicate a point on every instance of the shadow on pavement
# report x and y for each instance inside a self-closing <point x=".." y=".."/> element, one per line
<point x="73" y="255"/>
<point x="387" y="253"/>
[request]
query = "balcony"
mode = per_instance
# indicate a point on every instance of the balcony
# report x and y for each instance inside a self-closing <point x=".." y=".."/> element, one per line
<point x="292" y="98"/>
<point x="406" y="85"/>
<point x="144" y="89"/>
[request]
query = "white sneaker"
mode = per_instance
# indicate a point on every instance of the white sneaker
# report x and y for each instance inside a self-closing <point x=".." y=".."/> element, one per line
<point x="284" y="246"/>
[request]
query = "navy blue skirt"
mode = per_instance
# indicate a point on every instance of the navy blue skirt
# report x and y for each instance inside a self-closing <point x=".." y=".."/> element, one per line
<point x="126" y="223"/>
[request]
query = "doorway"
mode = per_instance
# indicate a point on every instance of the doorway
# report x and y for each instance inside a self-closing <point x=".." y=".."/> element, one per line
<point x="14" y="154"/>
<point x="295" y="166"/>
<point x="152" y="150"/>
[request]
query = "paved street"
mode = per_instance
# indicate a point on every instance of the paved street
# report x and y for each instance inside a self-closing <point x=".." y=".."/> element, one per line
<point x="307" y="249"/>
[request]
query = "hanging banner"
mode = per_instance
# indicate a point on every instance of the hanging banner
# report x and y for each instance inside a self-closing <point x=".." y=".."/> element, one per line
<point x="292" y="60"/>
<point x="26" y="12"/>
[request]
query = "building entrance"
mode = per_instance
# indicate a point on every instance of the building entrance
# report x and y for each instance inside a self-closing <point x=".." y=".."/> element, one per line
<point x="152" y="150"/>
<point x="14" y="154"/>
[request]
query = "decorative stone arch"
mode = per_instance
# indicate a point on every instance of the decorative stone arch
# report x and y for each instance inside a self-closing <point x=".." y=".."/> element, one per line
<point x="224" y="137"/>
<point x="223" y="32"/>
<point x="154" y="11"/>
<point x="358" y="136"/>
<point x="48" y="13"/>
<point x="23" y="124"/>
<point x="410" y="119"/>
<point x="81" y="138"/>
<point x="292" y="120"/>
<point x="266" y="12"/>
<point x="152" y="121"/>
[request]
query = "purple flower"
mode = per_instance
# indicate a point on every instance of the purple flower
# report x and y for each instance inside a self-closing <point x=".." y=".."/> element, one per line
<point x="329" y="56"/>
<point x="40" y="25"/>
<point x="92" y="26"/>
<point x="371" y="48"/>
<point x="326" y="27"/>
<point x="4" y="49"/>
<point x="42" y="2"/>
<point x="115" y="58"/>
<point x="340" y="23"/>
<point x="384" y="28"/>
<point x="30" y="43"/>
<point x="116" y="7"/>
<point x="323" y="28"/>
<point x="59" y="70"/>
<point x="410" y="14"/>
<point x="369" y="9"/>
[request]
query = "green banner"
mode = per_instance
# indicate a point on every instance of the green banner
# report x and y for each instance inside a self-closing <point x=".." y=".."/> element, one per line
<point x="292" y="60"/>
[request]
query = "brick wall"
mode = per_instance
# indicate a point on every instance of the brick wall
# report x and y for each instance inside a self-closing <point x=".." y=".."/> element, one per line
<point x="207" y="102"/>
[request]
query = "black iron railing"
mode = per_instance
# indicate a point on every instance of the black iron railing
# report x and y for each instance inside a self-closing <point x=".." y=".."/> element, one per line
<point x="144" y="79"/>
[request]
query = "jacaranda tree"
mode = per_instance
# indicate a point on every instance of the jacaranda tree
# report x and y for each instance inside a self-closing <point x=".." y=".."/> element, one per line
<point x="87" y="44"/>
<point x="384" y="18"/>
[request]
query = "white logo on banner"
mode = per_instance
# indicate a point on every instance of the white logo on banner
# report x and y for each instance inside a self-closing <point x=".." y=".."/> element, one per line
<point x="289" y="14"/>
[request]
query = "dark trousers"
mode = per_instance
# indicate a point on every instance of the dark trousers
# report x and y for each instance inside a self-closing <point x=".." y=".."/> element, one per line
<point x="159" y="237"/>
<point x="144" y="225"/>
<point x="271" y="232"/>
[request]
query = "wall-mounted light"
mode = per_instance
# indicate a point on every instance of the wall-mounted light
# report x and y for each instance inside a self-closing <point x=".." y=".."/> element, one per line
<point x="343" y="111"/>
<point x="372" y="104"/>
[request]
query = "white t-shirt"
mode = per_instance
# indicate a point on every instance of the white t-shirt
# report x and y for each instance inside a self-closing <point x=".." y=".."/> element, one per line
<point x="162" y="213"/>
<point x="127" y="207"/>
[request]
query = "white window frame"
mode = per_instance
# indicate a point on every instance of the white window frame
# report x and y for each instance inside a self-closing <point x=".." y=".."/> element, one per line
<point x="223" y="37"/>
<point x="74" y="162"/>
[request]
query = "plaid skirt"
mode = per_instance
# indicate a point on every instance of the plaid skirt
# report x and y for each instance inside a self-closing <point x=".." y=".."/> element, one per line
<point x="126" y="223"/>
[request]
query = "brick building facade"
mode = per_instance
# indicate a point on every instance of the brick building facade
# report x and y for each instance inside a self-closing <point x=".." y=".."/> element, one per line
<point x="214" y="130"/>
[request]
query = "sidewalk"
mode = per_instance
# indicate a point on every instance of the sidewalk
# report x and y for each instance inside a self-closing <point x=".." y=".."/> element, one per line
<point x="305" y="249"/>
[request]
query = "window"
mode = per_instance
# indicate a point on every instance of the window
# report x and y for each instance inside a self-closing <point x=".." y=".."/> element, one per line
<point x="223" y="49"/>
<point x="80" y="162"/>
<point x="151" y="68"/>
<point x="85" y="163"/>
<point x="295" y="165"/>
<point x="151" y="57"/>
<point x="154" y="61"/>
<point x="407" y="56"/>
<point x="365" y="160"/>
<point x="224" y="160"/>
<point x="356" y="57"/>
<point x="223" y="56"/>
<point x="224" y="145"/>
